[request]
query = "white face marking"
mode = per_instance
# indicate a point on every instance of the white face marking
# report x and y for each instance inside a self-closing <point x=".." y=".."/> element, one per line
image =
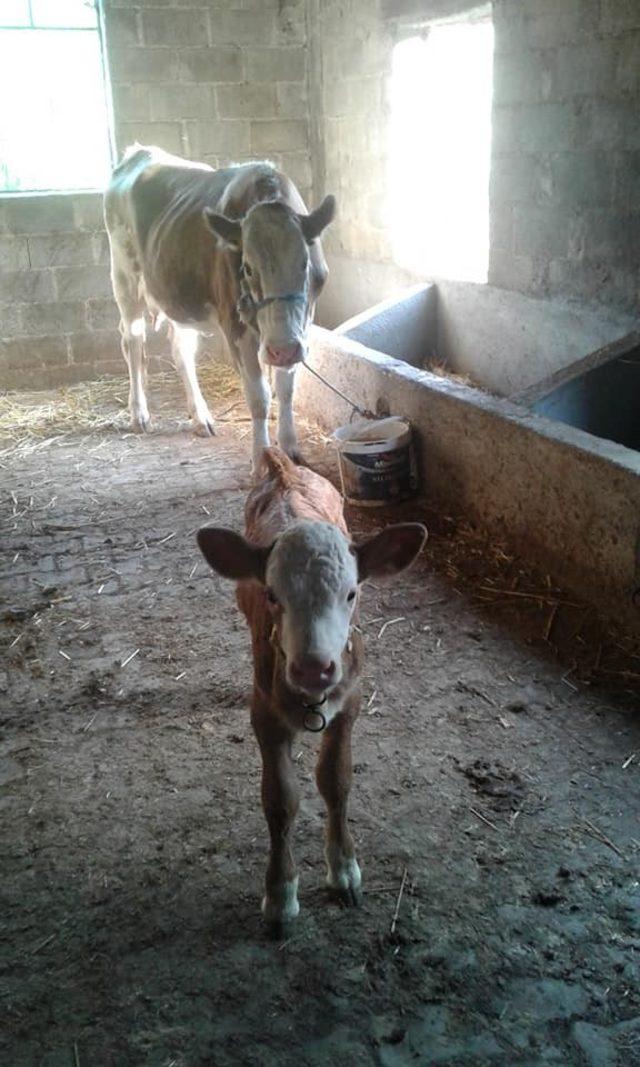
<point x="313" y="574"/>
<point x="277" y="255"/>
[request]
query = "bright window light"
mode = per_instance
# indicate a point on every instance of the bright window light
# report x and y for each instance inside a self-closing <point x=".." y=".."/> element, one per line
<point x="54" y="119"/>
<point x="440" y="141"/>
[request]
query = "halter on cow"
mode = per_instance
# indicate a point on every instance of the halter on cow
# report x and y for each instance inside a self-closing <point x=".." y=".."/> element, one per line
<point x="233" y="249"/>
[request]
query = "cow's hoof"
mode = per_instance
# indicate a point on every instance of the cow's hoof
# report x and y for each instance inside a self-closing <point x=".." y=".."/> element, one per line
<point x="140" y="423"/>
<point x="204" y="428"/>
<point x="289" y="445"/>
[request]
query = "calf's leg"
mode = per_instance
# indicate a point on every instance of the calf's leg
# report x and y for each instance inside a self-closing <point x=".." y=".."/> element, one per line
<point x="184" y="344"/>
<point x="333" y="775"/>
<point x="280" y="799"/>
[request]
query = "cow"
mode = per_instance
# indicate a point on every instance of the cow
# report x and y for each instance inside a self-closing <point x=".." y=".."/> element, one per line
<point x="232" y="248"/>
<point x="298" y="576"/>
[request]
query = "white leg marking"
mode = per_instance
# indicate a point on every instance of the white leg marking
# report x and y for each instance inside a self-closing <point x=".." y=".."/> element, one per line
<point x="184" y="344"/>
<point x="343" y="871"/>
<point x="287" y="436"/>
<point x="282" y="903"/>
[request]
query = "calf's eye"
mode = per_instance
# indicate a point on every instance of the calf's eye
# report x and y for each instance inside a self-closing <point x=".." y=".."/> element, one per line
<point x="351" y="595"/>
<point x="271" y="597"/>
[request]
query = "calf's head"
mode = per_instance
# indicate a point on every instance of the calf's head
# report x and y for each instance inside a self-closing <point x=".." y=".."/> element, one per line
<point x="280" y="277"/>
<point x="310" y="576"/>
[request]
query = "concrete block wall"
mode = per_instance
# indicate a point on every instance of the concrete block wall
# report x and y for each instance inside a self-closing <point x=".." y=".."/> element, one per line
<point x="565" y="180"/>
<point x="565" y="169"/>
<point x="58" y="322"/>
<point x="211" y="80"/>
<point x="307" y="82"/>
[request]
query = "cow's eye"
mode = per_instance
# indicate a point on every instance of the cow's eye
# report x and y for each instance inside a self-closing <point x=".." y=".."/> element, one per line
<point x="247" y="270"/>
<point x="351" y="595"/>
<point x="271" y="597"/>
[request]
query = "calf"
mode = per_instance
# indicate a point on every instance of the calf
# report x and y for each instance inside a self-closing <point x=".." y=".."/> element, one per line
<point x="231" y="248"/>
<point x="298" y="578"/>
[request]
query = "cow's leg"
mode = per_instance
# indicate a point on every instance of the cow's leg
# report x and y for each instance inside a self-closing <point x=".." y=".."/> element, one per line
<point x="184" y="345"/>
<point x="333" y="775"/>
<point x="280" y="800"/>
<point x="287" y="436"/>
<point x="257" y="393"/>
<point x="132" y="335"/>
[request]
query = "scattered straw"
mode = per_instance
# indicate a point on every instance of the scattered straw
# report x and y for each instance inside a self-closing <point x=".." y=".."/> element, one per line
<point x="31" y="422"/>
<point x="390" y="622"/>
<point x="398" y="902"/>
<point x="129" y="658"/>
<point x="483" y="818"/>
<point x="595" y="831"/>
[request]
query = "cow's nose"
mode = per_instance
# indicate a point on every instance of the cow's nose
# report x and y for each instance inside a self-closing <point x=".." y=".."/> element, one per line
<point x="284" y="355"/>
<point x="313" y="673"/>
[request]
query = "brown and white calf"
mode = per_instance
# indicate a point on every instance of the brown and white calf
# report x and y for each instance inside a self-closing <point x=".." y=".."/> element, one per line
<point x="233" y="248"/>
<point x="298" y="576"/>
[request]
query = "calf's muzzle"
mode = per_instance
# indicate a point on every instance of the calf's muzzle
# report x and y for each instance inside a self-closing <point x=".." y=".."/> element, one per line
<point x="313" y="674"/>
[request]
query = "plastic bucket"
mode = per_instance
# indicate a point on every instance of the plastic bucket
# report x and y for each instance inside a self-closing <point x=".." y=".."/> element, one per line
<point x="377" y="461"/>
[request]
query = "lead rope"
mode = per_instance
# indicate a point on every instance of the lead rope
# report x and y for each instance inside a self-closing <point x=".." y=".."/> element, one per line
<point x="355" y="408"/>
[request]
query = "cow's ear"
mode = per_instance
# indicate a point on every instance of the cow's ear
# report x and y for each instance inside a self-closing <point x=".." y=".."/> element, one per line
<point x="227" y="231"/>
<point x="390" y="551"/>
<point x="231" y="555"/>
<point x="313" y="224"/>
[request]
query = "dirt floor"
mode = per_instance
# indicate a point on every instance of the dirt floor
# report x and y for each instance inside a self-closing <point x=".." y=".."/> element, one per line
<point x="497" y="769"/>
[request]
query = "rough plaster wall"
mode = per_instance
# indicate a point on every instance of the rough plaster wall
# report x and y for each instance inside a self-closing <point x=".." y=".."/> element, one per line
<point x="565" y="185"/>
<point x="215" y="80"/>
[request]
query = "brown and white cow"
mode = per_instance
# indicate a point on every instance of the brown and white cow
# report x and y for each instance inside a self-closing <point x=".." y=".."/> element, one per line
<point x="203" y="248"/>
<point x="298" y="576"/>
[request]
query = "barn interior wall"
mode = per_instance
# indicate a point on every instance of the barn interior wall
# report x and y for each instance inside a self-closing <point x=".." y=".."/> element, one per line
<point x="306" y="82"/>
<point x="210" y="80"/>
<point x="565" y="166"/>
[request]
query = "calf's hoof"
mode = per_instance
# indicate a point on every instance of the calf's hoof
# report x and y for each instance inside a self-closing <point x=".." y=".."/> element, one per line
<point x="344" y="878"/>
<point x="280" y="905"/>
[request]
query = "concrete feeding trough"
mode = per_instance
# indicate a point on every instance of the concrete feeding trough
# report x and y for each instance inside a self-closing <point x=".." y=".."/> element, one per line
<point x="510" y="451"/>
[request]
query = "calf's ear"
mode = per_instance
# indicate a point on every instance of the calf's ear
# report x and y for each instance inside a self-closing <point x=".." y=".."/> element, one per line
<point x="390" y="551"/>
<point x="312" y="225"/>
<point x="231" y="555"/>
<point x="227" y="231"/>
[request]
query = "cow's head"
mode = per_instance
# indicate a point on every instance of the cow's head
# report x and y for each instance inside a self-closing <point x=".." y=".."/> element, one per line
<point x="311" y="576"/>
<point x="280" y="278"/>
